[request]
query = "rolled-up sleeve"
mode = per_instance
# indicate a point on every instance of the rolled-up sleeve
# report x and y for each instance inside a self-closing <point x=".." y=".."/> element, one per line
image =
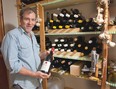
<point x="10" y="53"/>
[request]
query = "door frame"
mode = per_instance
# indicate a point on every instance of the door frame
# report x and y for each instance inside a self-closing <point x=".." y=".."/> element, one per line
<point x="2" y="30"/>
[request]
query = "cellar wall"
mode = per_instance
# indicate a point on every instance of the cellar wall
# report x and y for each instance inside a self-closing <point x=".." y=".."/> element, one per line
<point x="10" y="14"/>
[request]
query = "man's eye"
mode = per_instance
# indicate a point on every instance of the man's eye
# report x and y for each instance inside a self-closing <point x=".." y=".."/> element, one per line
<point x="33" y="19"/>
<point x="27" y="19"/>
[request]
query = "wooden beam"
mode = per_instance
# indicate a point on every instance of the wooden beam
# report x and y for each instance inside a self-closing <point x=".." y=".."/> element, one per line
<point x="2" y="30"/>
<point x="40" y="12"/>
<point x="105" y="46"/>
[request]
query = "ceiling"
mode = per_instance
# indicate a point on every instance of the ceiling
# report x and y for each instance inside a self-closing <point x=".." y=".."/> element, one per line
<point x="52" y="4"/>
<point x="63" y="3"/>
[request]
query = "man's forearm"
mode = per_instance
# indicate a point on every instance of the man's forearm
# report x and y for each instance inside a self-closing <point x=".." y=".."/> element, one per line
<point x="26" y="72"/>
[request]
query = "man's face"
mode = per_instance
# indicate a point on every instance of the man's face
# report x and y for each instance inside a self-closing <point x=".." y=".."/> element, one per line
<point x="28" y="21"/>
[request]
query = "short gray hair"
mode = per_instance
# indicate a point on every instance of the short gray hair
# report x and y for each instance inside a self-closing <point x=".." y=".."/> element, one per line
<point x="28" y="10"/>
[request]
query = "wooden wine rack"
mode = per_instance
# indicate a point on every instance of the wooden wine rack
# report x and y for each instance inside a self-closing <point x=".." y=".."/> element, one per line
<point x="112" y="29"/>
<point x="72" y="31"/>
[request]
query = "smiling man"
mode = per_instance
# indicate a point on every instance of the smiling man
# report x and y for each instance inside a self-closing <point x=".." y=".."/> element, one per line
<point x="21" y="53"/>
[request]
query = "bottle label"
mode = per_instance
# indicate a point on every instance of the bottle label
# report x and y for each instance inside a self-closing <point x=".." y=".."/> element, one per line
<point x="46" y="65"/>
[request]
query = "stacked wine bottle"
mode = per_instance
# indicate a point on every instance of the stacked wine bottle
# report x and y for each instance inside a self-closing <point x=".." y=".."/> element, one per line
<point x="78" y="44"/>
<point x="61" y="65"/>
<point x="71" y="19"/>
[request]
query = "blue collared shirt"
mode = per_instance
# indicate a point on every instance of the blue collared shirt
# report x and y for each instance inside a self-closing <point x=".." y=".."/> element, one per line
<point x="19" y="50"/>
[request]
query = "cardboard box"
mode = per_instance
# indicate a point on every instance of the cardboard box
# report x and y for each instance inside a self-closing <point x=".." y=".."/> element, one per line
<point x="75" y="69"/>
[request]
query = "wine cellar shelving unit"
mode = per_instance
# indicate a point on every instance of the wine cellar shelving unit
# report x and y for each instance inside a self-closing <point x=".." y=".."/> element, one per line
<point x="40" y="6"/>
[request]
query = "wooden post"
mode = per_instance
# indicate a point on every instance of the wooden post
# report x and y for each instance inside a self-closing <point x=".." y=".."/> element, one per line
<point x="18" y="4"/>
<point x="2" y="31"/>
<point x="40" y="12"/>
<point x="105" y="46"/>
<point x="96" y="70"/>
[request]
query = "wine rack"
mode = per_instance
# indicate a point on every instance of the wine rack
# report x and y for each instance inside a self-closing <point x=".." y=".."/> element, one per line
<point x="74" y="31"/>
<point x="68" y="32"/>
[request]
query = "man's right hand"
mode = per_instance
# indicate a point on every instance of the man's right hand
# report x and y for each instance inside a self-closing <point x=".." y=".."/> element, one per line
<point x="42" y="75"/>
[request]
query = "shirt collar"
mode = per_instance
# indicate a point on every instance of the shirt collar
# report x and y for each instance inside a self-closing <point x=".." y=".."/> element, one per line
<point x="23" y="31"/>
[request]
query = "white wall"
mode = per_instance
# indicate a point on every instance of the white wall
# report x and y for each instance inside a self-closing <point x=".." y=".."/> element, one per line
<point x="10" y="14"/>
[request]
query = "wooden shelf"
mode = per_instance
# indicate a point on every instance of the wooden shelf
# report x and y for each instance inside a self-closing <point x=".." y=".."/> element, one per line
<point x="92" y="78"/>
<point x="71" y="55"/>
<point x="71" y="31"/>
<point x="74" y="31"/>
<point x="51" y="4"/>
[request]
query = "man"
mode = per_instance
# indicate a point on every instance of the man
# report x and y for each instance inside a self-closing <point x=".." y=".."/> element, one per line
<point x="21" y="53"/>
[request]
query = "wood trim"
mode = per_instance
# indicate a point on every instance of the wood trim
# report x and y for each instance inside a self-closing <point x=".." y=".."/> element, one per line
<point x="105" y="46"/>
<point x="2" y="32"/>
<point x="40" y="12"/>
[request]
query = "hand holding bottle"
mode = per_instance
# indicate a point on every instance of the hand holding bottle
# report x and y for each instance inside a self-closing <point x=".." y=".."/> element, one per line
<point x="46" y="65"/>
<point x="42" y="75"/>
<point x="43" y="54"/>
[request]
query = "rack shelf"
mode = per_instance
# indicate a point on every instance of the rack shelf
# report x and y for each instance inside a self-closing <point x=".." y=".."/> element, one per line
<point x="71" y="55"/>
<point x="74" y="31"/>
<point x="51" y="4"/>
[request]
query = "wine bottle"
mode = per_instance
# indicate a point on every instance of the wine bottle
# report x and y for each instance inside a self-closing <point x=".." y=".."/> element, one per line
<point x="65" y="46"/>
<point x="56" y="63"/>
<point x="96" y="26"/>
<point x="57" y="21"/>
<point x="71" y="47"/>
<point x="47" y="22"/>
<point x="73" y="18"/>
<point x="79" y="43"/>
<point x="62" y="22"/>
<point x="93" y="42"/>
<point x="35" y="28"/>
<point x="56" y="40"/>
<point x="64" y="18"/>
<point x="68" y="20"/>
<point x="86" y="49"/>
<point x="99" y="47"/>
<point x="80" y="22"/>
<point x="70" y="40"/>
<point x="48" y="45"/>
<point x="46" y="65"/>
<point x="64" y="40"/>
<point x="54" y="45"/>
<point x="65" y="66"/>
<point x="52" y="22"/>
<point x="62" y="63"/>
<point x="38" y="39"/>
<point x="90" y="25"/>
<point x="59" y="46"/>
